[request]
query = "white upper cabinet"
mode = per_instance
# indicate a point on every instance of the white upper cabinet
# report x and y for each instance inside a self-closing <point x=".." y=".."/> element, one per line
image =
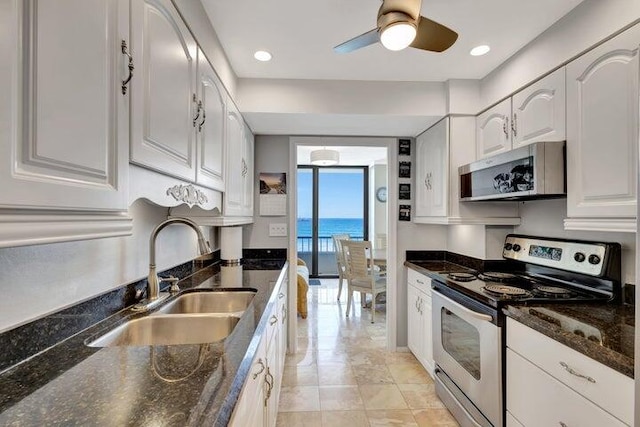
<point x="65" y="120"/>
<point x="164" y="100"/>
<point x="440" y="151"/>
<point x="432" y="165"/>
<point x="233" y="196"/>
<point x="248" y="172"/>
<point x="536" y="113"/>
<point x="602" y="131"/>
<point x="493" y="131"/>
<point x="539" y="111"/>
<point x="210" y="125"/>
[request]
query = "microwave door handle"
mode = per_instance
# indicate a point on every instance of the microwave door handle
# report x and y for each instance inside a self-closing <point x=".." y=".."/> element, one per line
<point x="479" y="316"/>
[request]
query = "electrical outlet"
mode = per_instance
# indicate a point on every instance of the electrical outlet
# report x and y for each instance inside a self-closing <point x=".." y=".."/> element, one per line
<point x="277" y="230"/>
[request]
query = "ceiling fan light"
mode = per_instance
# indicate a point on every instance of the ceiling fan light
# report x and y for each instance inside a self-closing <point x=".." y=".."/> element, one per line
<point x="325" y="157"/>
<point x="398" y="36"/>
<point x="480" y="50"/>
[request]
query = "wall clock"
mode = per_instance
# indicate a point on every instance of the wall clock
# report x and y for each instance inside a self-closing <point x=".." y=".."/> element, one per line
<point x="381" y="194"/>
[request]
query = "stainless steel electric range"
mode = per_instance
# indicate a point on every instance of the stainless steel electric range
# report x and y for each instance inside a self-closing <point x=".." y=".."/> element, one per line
<point x="468" y="321"/>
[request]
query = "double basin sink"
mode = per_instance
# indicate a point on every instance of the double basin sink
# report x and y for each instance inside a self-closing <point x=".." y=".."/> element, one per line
<point x="193" y="317"/>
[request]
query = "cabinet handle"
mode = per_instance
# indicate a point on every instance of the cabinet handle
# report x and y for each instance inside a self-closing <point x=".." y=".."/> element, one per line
<point x="199" y="105"/>
<point x="420" y="306"/>
<point x="284" y="314"/>
<point x="261" y="369"/>
<point x="505" y="127"/>
<point x="269" y="385"/>
<point x="273" y="320"/>
<point x="245" y="168"/>
<point x="123" y="47"/>
<point x="204" y="118"/>
<point x="420" y="281"/>
<point x="514" y="125"/>
<point x="573" y="372"/>
<point x="280" y="295"/>
<point x="562" y="424"/>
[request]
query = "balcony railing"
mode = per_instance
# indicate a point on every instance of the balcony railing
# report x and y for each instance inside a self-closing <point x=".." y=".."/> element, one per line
<point x="325" y="243"/>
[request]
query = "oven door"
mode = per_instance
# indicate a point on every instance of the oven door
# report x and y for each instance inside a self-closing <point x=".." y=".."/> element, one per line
<point x="467" y="347"/>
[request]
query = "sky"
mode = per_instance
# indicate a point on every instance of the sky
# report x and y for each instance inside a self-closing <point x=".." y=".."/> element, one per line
<point x="341" y="194"/>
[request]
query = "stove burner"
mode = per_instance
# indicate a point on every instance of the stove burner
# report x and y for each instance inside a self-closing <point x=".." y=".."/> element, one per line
<point x="462" y="277"/>
<point x="553" y="291"/>
<point x="496" y="276"/>
<point x="506" y="291"/>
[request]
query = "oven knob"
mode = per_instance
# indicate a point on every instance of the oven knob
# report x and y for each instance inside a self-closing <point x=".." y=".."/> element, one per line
<point x="508" y="246"/>
<point x="517" y="247"/>
<point x="579" y="257"/>
<point x="594" y="259"/>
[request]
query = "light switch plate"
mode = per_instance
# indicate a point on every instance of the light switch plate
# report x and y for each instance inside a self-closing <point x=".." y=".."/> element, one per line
<point x="277" y="230"/>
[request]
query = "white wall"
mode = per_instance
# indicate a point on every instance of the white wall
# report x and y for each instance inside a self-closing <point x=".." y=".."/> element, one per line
<point x="586" y="25"/>
<point x="377" y="209"/>
<point x="477" y="241"/>
<point x="38" y="280"/>
<point x="271" y="155"/>
<point x="545" y="218"/>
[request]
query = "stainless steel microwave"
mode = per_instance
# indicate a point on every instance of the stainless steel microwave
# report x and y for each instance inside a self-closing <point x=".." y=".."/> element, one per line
<point x="535" y="171"/>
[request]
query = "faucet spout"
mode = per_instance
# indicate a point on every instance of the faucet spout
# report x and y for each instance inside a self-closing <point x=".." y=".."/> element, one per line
<point x="153" y="287"/>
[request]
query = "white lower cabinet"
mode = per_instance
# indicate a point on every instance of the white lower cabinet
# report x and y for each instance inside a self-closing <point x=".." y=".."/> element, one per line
<point x="258" y="402"/>
<point x="419" y="333"/>
<point x="573" y="389"/>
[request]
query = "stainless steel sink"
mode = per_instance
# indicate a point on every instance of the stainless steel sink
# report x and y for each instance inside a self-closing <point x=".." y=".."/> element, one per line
<point x="210" y="302"/>
<point x="169" y="330"/>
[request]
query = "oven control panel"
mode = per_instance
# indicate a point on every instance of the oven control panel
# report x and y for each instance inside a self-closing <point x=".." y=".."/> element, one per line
<point x="580" y="257"/>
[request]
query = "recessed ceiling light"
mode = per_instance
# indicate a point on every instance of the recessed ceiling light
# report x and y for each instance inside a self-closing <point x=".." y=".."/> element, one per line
<point x="480" y="50"/>
<point x="262" y="55"/>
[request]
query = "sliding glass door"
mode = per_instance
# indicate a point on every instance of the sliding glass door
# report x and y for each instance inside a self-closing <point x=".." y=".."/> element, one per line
<point x="331" y="200"/>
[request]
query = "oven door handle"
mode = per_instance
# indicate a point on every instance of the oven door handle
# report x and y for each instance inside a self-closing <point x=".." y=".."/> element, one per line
<point x="479" y="316"/>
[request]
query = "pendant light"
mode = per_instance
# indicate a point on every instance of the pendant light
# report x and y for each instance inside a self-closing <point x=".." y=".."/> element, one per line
<point x="325" y="157"/>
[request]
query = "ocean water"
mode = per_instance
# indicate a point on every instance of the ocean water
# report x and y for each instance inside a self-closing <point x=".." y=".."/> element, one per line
<point x="328" y="227"/>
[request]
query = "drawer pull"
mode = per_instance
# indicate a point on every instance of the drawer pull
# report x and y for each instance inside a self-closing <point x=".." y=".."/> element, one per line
<point x="562" y="424"/>
<point x="420" y="281"/>
<point x="572" y="372"/>
<point x="273" y="320"/>
<point x="261" y="369"/>
<point x="280" y="295"/>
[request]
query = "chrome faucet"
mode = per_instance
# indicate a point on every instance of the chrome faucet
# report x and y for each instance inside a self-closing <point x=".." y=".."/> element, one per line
<point x="153" y="285"/>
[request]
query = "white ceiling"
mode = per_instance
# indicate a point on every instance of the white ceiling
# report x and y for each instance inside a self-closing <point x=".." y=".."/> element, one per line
<point x="301" y="34"/>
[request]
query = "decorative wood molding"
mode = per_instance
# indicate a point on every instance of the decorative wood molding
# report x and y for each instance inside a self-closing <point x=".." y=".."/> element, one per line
<point x="187" y="194"/>
<point x="24" y="228"/>
<point x="618" y="225"/>
<point x="220" y="221"/>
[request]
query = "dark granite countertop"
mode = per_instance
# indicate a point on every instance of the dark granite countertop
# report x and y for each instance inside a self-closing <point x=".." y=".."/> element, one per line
<point x="73" y="384"/>
<point x="437" y="269"/>
<point x="608" y="330"/>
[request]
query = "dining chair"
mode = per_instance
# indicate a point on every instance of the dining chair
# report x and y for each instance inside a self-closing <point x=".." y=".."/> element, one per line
<point x="360" y="272"/>
<point x="337" y="238"/>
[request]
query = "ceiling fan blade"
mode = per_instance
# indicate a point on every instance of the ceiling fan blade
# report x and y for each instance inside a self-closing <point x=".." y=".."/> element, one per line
<point x="433" y="36"/>
<point x="362" y="40"/>
<point x="408" y="7"/>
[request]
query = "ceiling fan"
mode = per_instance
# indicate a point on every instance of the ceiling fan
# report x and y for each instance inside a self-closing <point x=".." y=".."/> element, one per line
<point x="399" y="26"/>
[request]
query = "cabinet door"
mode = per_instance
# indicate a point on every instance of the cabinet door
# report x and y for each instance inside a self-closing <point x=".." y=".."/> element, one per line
<point x="493" y="132"/>
<point x="250" y="409"/>
<point x="432" y="185"/>
<point x="233" y="195"/>
<point x="602" y="129"/>
<point x="247" y="173"/>
<point x="210" y="125"/>
<point x="414" y="322"/>
<point x="539" y="111"/>
<point x="273" y="383"/>
<point x="64" y="121"/>
<point x="427" y="333"/>
<point x="164" y="101"/>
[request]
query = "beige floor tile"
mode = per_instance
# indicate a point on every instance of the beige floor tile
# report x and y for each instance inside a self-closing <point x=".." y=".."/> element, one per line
<point x="332" y="343"/>
<point x="300" y="375"/>
<point x="386" y="396"/>
<point x="400" y="358"/>
<point x="344" y="419"/>
<point x="420" y="396"/>
<point x="306" y="358"/>
<point x="434" y="417"/>
<point x="331" y="357"/>
<point x="369" y="374"/>
<point x="336" y="375"/>
<point x="340" y="398"/>
<point x="299" y="419"/>
<point x="299" y="398"/>
<point x="391" y="418"/>
<point x="367" y="357"/>
<point x="307" y="343"/>
<point x="409" y="374"/>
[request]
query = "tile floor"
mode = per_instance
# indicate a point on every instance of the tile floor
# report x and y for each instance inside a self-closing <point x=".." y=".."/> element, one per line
<point x="342" y="374"/>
